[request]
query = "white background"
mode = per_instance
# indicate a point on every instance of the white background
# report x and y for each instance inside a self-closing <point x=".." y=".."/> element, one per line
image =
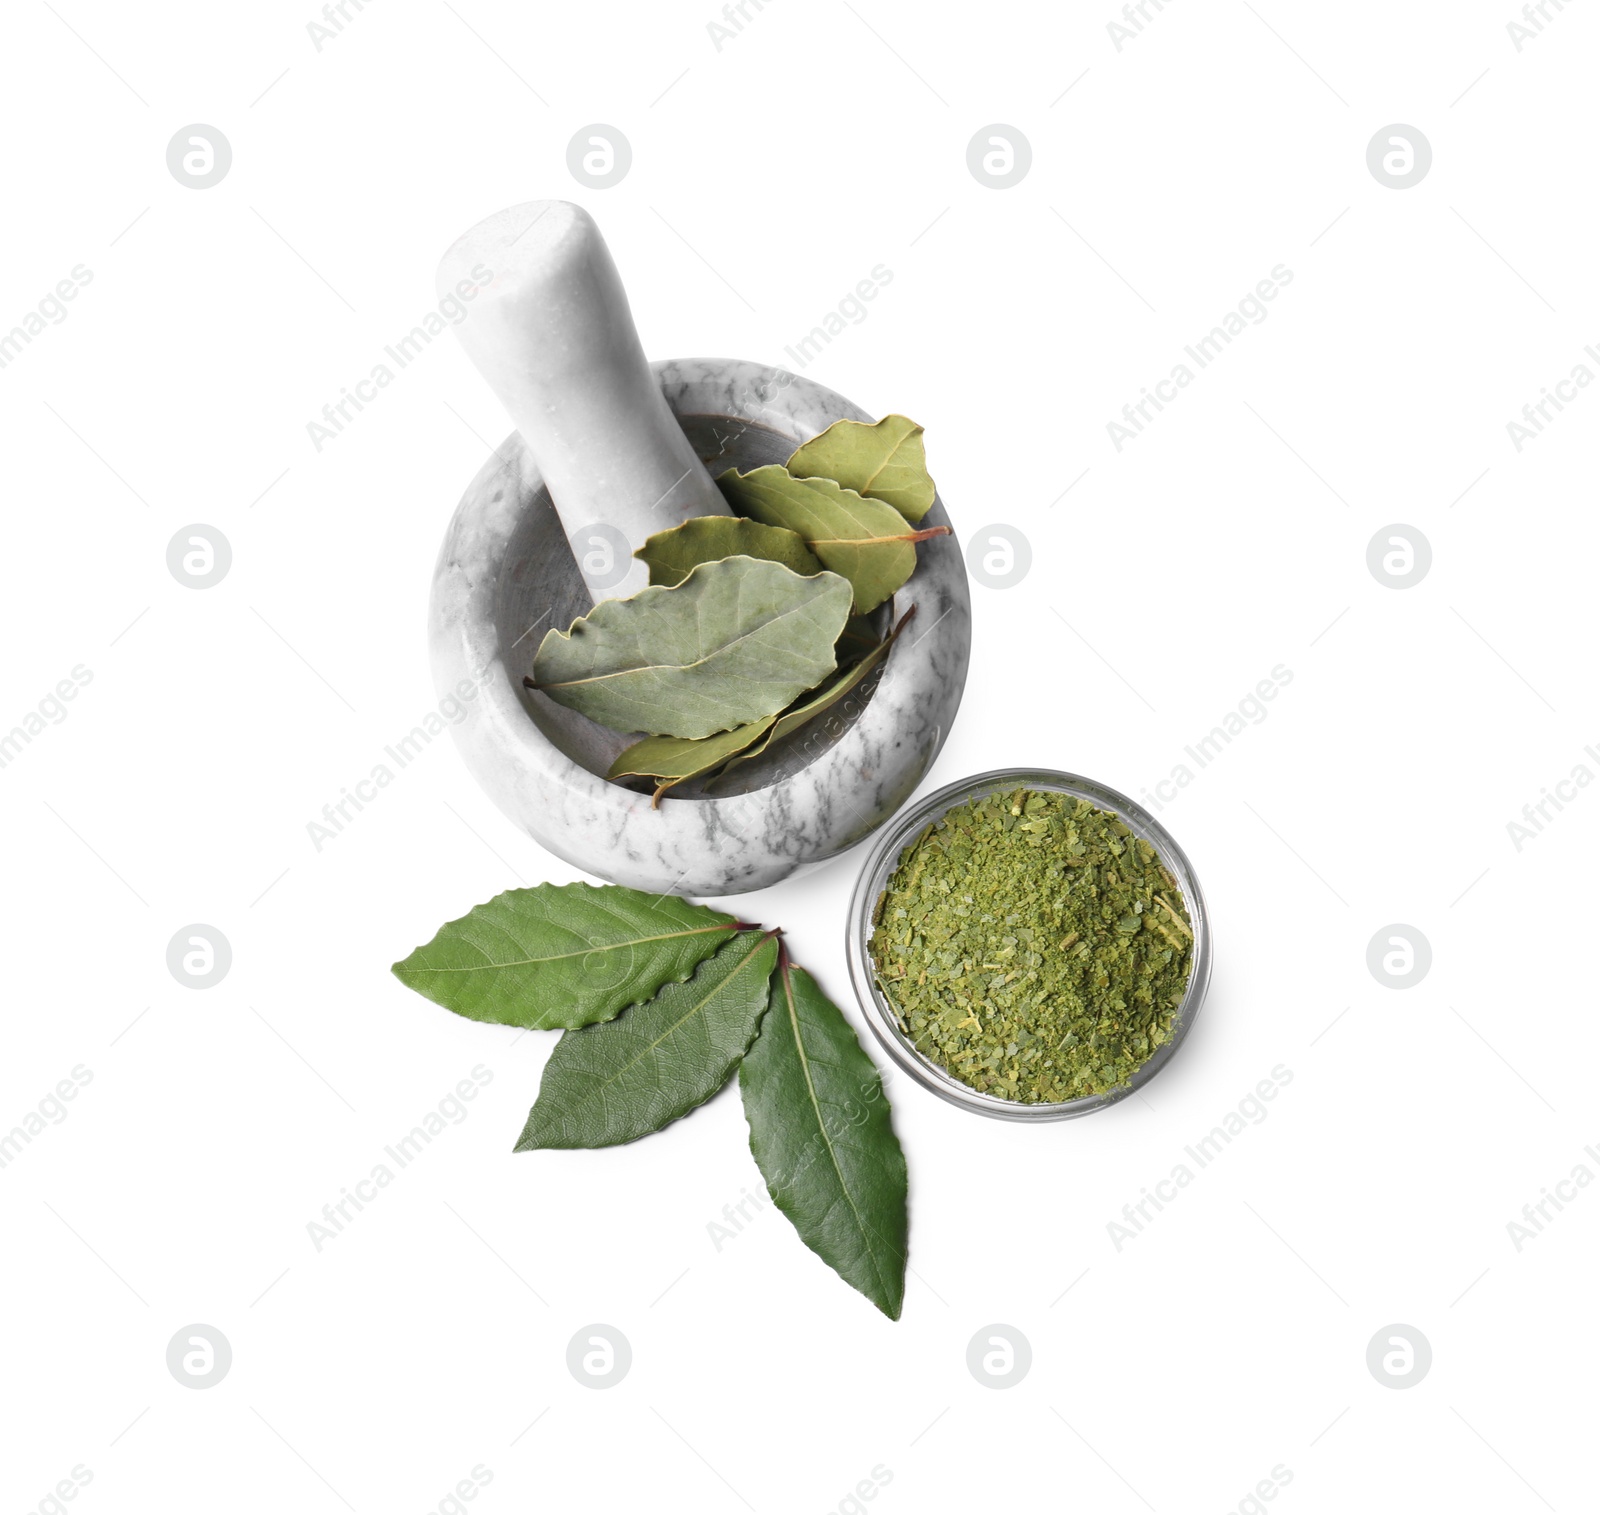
<point x="768" y="177"/>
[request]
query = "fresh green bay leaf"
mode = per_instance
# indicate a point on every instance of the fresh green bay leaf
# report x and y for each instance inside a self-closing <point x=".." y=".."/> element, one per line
<point x="825" y="699"/>
<point x="674" y="760"/>
<point x="633" y="1075"/>
<point x="735" y="642"/>
<point x="671" y="555"/>
<point x="865" y="540"/>
<point x="884" y="461"/>
<point x="821" y="1135"/>
<point x="563" y="954"/>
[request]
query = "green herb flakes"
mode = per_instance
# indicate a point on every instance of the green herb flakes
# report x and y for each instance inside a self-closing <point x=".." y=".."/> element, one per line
<point x="1033" y="947"/>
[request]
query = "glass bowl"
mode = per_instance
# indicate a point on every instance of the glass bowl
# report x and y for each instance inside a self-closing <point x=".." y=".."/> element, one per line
<point x="885" y="856"/>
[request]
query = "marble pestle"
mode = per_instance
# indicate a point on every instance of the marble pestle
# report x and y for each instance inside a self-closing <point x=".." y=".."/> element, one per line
<point x="552" y="333"/>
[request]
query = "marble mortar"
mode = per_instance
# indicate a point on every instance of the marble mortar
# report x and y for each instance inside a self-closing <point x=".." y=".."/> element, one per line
<point x="506" y="575"/>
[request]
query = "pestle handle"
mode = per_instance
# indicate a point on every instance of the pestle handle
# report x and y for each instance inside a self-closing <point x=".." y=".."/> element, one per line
<point x="552" y="333"/>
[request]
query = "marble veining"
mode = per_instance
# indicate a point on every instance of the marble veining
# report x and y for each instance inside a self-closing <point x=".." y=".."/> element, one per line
<point x="505" y="575"/>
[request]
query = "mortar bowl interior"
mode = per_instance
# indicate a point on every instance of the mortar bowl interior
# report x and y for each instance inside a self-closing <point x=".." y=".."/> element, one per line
<point x="542" y="587"/>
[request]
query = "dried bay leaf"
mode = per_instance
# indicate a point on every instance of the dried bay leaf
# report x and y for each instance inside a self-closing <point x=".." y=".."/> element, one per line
<point x="884" y="461"/>
<point x="675" y="760"/>
<point x="825" y="699"/>
<point x="821" y="1135"/>
<point x="619" y="1081"/>
<point x="865" y="540"/>
<point x="735" y="642"/>
<point x="671" y="555"/>
<point x="563" y="955"/>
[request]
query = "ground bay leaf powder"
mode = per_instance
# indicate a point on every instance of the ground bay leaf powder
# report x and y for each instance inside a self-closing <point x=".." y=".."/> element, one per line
<point x="1033" y="947"/>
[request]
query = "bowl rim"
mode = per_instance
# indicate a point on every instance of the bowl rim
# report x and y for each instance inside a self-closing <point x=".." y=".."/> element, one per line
<point x="907" y="826"/>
